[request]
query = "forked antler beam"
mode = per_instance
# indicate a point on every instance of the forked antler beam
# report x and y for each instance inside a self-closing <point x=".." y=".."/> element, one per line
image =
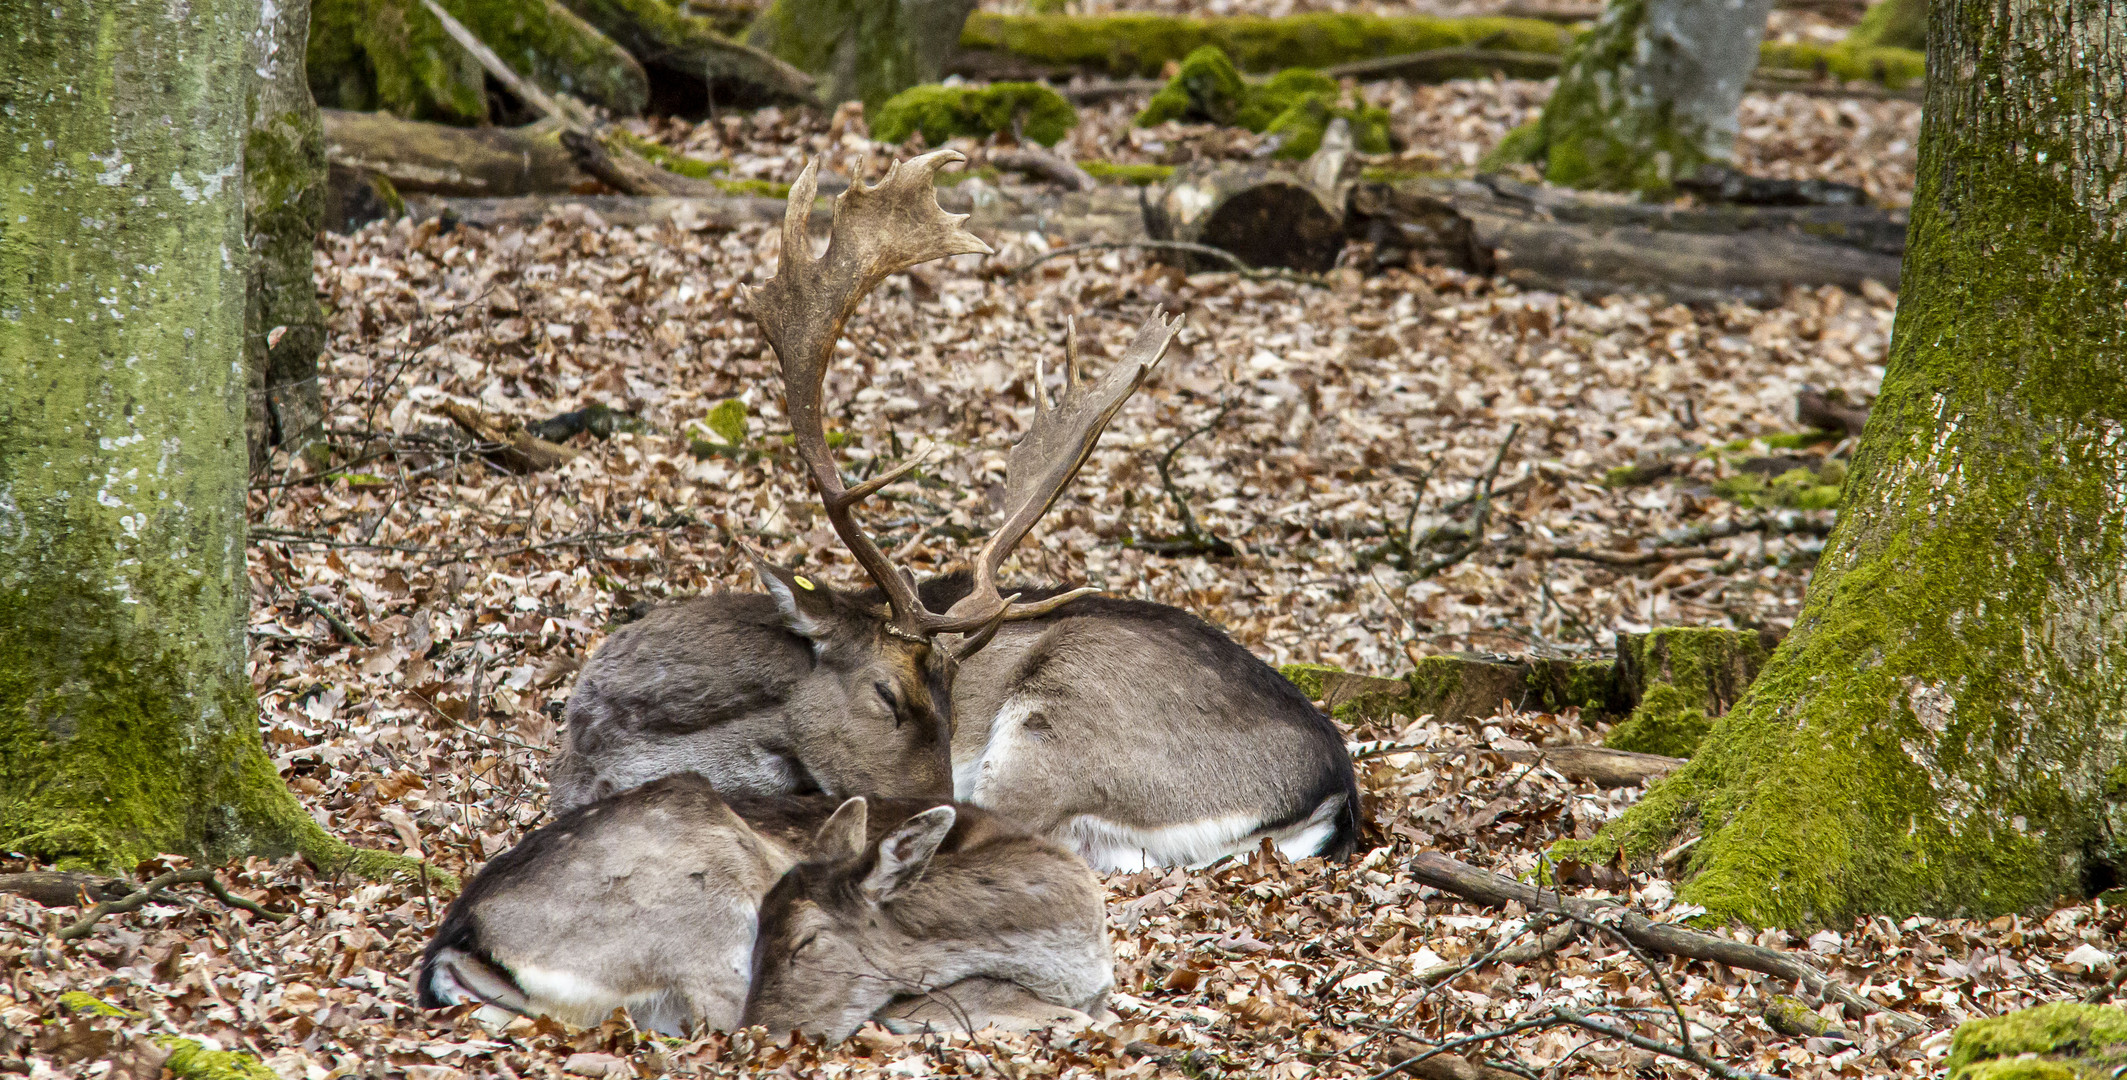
<point x="879" y="230"/>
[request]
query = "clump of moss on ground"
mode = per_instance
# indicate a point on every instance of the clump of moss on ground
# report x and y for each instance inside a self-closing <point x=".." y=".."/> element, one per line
<point x="2070" y="1040"/>
<point x="1139" y="175"/>
<point x="945" y="112"/>
<point x="1296" y="104"/>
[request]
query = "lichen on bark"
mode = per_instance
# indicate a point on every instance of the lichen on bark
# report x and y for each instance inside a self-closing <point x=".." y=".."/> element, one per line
<point x="1650" y="94"/>
<point x="395" y="56"/>
<point x="1942" y="730"/>
<point x="284" y="207"/>
<point x="127" y="722"/>
<point x="863" y="50"/>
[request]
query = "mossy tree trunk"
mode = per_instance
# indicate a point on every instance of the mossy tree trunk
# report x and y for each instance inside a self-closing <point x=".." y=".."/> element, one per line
<point x="863" y="50"/>
<point x="1899" y="24"/>
<point x="1650" y="94"/>
<point x="127" y="722"/>
<point x="1944" y="730"/>
<point x="395" y="56"/>
<point x="284" y="207"/>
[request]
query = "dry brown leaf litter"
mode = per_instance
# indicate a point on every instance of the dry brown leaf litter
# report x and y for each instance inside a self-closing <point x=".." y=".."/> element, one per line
<point x="480" y="592"/>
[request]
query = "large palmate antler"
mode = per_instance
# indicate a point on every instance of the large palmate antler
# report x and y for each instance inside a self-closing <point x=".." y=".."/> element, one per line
<point x="879" y="230"/>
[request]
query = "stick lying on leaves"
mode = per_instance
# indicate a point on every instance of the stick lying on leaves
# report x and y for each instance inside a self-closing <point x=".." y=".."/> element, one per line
<point x="58" y="890"/>
<point x="1599" y="764"/>
<point x="1485" y="887"/>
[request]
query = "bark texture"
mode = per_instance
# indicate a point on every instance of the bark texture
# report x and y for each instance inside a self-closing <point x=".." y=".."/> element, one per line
<point x="394" y="56"/>
<point x="1943" y="730"/>
<point x="1651" y="93"/>
<point x="863" y="50"/>
<point x="284" y="207"/>
<point x="127" y="722"/>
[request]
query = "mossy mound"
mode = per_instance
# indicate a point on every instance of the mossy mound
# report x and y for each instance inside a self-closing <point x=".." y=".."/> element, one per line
<point x="1898" y="24"/>
<point x="1135" y="44"/>
<point x="2063" y="1040"/>
<point x="1138" y="175"/>
<point x="1139" y="44"/>
<point x="945" y="112"/>
<point x="394" y="56"/>
<point x="1799" y="488"/>
<point x="1296" y="104"/>
<point x="862" y="50"/>
<point x="1892" y="67"/>
<point x="1681" y="678"/>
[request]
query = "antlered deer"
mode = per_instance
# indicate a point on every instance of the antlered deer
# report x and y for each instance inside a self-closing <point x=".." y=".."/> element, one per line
<point x="1133" y="732"/>
<point x="648" y="900"/>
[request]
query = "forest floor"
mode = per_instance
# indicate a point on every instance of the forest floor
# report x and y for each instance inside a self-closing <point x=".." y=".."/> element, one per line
<point x="1329" y="422"/>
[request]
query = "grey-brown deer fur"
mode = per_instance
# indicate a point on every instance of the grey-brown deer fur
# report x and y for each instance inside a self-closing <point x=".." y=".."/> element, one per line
<point x="648" y="900"/>
<point x="792" y="691"/>
<point x="954" y="902"/>
<point x="1134" y="733"/>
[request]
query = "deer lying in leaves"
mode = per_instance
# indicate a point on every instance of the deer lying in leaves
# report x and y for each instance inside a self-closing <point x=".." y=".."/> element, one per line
<point x="903" y="910"/>
<point x="1135" y="733"/>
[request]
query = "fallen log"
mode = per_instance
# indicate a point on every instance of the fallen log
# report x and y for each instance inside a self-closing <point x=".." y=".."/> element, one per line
<point x="1265" y="215"/>
<point x="510" y="445"/>
<point x="1495" y="890"/>
<point x="719" y="212"/>
<point x="55" y="888"/>
<point x="690" y="64"/>
<point x="1599" y="765"/>
<point x="1543" y="238"/>
<point x="432" y="158"/>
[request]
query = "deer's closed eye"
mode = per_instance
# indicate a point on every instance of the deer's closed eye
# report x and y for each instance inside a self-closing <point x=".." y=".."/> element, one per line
<point x="886" y="694"/>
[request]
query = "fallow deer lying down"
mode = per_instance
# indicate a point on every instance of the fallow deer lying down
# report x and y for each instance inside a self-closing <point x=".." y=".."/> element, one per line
<point x="649" y="900"/>
<point x="1133" y="732"/>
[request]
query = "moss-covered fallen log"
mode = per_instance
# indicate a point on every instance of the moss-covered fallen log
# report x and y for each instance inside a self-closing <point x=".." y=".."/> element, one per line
<point x="691" y="64"/>
<point x="444" y="160"/>
<point x="396" y="56"/>
<point x="1141" y="44"/>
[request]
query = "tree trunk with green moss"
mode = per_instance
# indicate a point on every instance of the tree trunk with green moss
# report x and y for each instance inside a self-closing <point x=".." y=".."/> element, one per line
<point x="1649" y="95"/>
<point x="1898" y="24"/>
<point x="1944" y="730"/>
<point x="284" y="207"/>
<point x="395" y="56"/>
<point x="864" y="50"/>
<point x="127" y="722"/>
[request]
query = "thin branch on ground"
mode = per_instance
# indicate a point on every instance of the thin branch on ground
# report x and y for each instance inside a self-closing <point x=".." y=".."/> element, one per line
<point x="1192" y="540"/>
<point x="339" y="625"/>
<point x="1485" y="887"/>
<point x="152" y="891"/>
<point x="1183" y="246"/>
<point x="1481" y="495"/>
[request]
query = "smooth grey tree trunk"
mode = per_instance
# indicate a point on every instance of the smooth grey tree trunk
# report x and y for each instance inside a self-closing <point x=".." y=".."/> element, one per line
<point x="284" y="207"/>
<point x="863" y="50"/>
<point x="127" y="721"/>
<point x="1650" y="94"/>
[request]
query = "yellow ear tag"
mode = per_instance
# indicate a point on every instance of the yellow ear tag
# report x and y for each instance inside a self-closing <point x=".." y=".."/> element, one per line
<point x="804" y="582"/>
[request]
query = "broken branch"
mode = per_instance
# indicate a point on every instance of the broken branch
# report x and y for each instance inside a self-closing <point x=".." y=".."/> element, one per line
<point x="1494" y="890"/>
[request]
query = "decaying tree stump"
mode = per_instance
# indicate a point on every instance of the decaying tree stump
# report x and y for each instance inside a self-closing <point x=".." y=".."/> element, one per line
<point x="1266" y="216"/>
<point x="1680" y="678"/>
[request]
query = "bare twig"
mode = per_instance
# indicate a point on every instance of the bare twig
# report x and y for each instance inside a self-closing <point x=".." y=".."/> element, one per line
<point x="339" y="625"/>
<point x="153" y="890"/>
<point x="1485" y="887"/>
<point x="1184" y="246"/>
<point x="1192" y="539"/>
<point x="1481" y="494"/>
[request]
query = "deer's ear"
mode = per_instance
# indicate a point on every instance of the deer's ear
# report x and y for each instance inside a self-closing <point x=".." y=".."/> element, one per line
<point x="808" y="608"/>
<point x="841" y="836"/>
<point x="905" y="852"/>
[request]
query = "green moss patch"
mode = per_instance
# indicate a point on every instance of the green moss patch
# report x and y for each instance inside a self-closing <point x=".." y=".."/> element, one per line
<point x="1681" y="678"/>
<point x="191" y="1060"/>
<point x="2064" y="1040"/>
<point x="1139" y="175"/>
<point x="670" y="160"/>
<point x="946" y="112"/>
<point x="394" y="56"/>
<point x="1139" y="44"/>
<point x="1799" y="488"/>
<point x="1295" y="105"/>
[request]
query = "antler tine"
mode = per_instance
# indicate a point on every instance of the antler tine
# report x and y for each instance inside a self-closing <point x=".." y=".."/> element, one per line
<point x="879" y="229"/>
<point x="1042" y="463"/>
<point x="1070" y="352"/>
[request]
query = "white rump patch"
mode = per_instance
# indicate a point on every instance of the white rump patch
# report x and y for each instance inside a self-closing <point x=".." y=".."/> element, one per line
<point x="1108" y="846"/>
<point x="972" y="778"/>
